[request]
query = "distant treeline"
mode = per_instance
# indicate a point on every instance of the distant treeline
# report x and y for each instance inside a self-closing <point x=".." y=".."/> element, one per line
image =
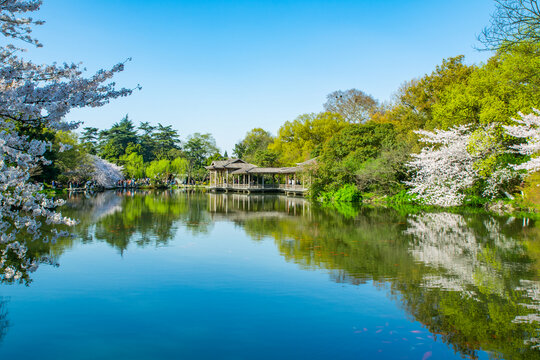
<point x="459" y="114"/>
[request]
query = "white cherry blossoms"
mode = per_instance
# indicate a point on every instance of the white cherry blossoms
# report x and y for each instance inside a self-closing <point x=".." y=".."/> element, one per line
<point x="442" y="170"/>
<point x="527" y="128"/>
<point x="33" y="97"/>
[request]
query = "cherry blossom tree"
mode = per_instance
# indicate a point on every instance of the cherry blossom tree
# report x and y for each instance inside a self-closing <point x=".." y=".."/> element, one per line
<point x="443" y="170"/>
<point x="527" y="128"/>
<point x="105" y="173"/>
<point x="35" y="97"/>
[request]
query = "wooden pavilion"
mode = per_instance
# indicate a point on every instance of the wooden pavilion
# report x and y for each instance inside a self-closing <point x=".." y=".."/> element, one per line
<point x="240" y="176"/>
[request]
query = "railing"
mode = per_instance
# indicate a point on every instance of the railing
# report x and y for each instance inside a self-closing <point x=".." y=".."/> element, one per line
<point x="259" y="187"/>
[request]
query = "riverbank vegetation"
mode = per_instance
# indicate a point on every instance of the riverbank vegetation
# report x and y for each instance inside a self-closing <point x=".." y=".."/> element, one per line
<point x="464" y="134"/>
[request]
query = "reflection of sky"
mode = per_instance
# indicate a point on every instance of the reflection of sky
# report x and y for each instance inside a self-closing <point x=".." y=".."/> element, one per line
<point x="204" y="297"/>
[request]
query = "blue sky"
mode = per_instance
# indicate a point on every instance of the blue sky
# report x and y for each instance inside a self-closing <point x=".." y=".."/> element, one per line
<point x="225" y="67"/>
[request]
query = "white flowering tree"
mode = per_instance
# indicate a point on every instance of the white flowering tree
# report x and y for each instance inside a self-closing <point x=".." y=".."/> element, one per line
<point x="444" y="169"/>
<point x="106" y="173"/>
<point x="33" y="97"/>
<point x="528" y="129"/>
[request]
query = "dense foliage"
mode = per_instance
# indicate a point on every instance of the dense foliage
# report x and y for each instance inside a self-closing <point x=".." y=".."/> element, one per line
<point x="476" y="151"/>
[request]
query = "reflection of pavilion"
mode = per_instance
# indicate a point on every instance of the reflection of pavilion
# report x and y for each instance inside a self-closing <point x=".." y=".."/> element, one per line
<point x="241" y="206"/>
<point x="238" y="176"/>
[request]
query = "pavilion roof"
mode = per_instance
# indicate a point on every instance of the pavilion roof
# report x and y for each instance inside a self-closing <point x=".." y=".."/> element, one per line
<point x="273" y="171"/>
<point x="229" y="164"/>
<point x="238" y="166"/>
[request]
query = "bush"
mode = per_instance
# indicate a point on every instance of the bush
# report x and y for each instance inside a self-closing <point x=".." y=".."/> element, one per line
<point x="531" y="192"/>
<point x="346" y="193"/>
<point x="403" y="197"/>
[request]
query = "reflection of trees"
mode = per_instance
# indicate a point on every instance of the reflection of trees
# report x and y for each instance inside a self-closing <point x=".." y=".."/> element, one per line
<point x="532" y="292"/>
<point x="468" y="278"/>
<point x="4" y="323"/>
<point x="18" y="261"/>
<point x="140" y="218"/>
<point x="458" y="275"/>
<point x="117" y="218"/>
<point x="469" y="292"/>
<point x="464" y="256"/>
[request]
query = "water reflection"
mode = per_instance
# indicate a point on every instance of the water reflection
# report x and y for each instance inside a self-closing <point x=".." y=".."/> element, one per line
<point x="4" y="323"/>
<point x="471" y="279"/>
<point x="125" y="217"/>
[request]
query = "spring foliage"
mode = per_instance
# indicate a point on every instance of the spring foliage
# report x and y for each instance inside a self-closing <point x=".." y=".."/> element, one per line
<point x="528" y="129"/>
<point x="35" y="97"/>
<point x="443" y="169"/>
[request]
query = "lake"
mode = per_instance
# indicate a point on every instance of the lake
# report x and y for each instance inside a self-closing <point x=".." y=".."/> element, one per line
<point x="177" y="275"/>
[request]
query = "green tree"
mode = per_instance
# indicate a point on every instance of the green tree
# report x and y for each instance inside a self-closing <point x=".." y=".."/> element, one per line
<point x="89" y="139"/>
<point x="116" y="140"/>
<point x="72" y="159"/>
<point x="256" y="140"/>
<point x="147" y="141"/>
<point x="179" y="167"/>
<point x="303" y="138"/>
<point x="197" y="149"/>
<point x="493" y="93"/>
<point x="350" y="157"/>
<point x="133" y="165"/>
<point x="159" y="170"/>
<point x="166" y="141"/>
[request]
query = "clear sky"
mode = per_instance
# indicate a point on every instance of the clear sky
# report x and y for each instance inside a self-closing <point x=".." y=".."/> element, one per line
<point x="225" y="67"/>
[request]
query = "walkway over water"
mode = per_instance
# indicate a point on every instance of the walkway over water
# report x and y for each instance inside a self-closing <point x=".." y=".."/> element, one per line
<point x="259" y="188"/>
<point x="236" y="175"/>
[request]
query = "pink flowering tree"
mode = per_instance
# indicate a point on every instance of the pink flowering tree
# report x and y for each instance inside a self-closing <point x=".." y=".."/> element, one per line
<point x="34" y="96"/>
<point x="528" y="129"/>
<point x="443" y="169"/>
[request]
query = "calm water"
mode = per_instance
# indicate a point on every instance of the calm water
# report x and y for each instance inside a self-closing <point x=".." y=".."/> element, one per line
<point x="202" y="276"/>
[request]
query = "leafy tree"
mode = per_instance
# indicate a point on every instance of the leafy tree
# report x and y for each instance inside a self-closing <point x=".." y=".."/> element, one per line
<point x="166" y="140"/>
<point x="133" y="165"/>
<point x="70" y="155"/>
<point x="117" y="139"/>
<point x="345" y="156"/>
<point x="256" y="140"/>
<point x="303" y="138"/>
<point x="159" y="170"/>
<point x="179" y="167"/>
<point x="197" y="149"/>
<point x="89" y="139"/>
<point x="353" y="105"/>
<point x="507" y="84"/>
<point x="415" y="100"/>
<point x="216" y="157"/>
<point x="147" y="141"/>
<point x="265" y="158"/>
